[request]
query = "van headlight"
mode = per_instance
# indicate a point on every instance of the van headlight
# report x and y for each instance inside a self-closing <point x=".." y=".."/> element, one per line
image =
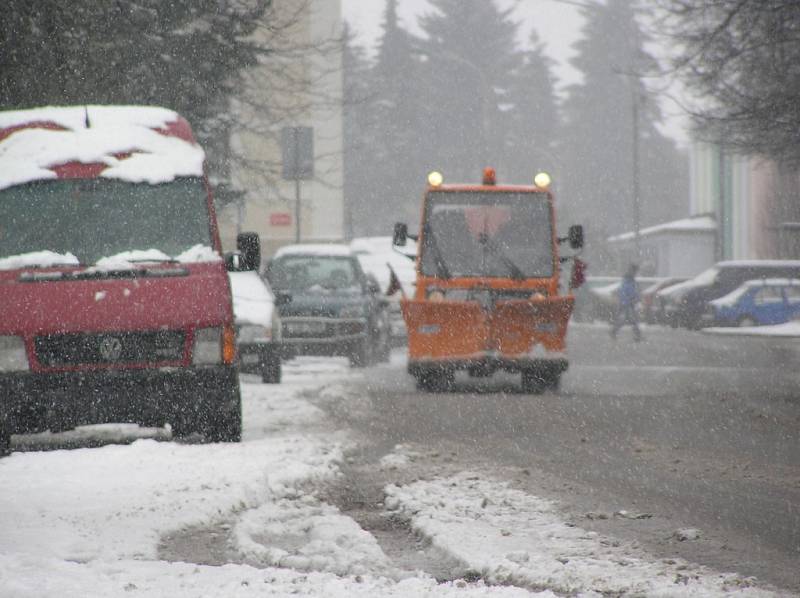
<point x="251" y="333"/>
<point x="213" y="346"/>
<point x="13" y="357"/>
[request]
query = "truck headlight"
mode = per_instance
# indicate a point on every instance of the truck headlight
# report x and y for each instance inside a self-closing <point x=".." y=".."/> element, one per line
<point x="213" y="346"/>
<point x="352" y="311"/>
<point x="13" y="357"/>
<point x="253" y="334"/>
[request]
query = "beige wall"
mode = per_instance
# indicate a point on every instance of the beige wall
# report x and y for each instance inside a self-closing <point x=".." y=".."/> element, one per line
<point x="298" y="84"/>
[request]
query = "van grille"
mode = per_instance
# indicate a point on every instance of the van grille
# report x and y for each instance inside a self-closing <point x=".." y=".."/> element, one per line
<point x="109" y="348"/>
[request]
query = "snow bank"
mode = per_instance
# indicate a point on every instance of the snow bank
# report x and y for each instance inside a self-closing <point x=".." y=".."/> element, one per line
<point x="789" y="329"/>
<point x="508" y="536"/>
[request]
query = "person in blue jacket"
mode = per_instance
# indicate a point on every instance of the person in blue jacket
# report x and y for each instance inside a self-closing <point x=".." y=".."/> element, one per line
<point x="627" y="298"/>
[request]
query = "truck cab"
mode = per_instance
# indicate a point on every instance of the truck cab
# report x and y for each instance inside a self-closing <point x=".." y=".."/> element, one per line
<point x="488" y="294"/>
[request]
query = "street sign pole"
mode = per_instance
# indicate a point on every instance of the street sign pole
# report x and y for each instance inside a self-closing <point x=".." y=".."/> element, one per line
<point x="297" y="144"/>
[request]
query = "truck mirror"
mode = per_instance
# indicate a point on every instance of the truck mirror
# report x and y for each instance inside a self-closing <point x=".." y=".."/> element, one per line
<point x="249" y="245"/>
<point x="575" y="236"/>
<point x="400" y="234"/>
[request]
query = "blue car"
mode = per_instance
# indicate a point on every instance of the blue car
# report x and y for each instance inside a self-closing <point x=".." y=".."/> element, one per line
<point x="757" y="303"/>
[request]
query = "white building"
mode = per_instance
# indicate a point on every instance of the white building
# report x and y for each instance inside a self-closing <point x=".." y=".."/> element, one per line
<point x="299" y="83"/>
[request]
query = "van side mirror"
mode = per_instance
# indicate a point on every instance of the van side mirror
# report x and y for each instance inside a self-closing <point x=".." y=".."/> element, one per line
<point x="400" y="234"/>
<point x="575" y="236"/>
<point x="249" y="245"/>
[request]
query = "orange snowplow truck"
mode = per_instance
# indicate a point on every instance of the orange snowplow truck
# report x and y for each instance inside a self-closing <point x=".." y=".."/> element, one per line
<point x="488" y="295"/>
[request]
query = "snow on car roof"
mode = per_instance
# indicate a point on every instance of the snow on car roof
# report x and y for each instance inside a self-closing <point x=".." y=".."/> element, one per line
<point x="320" y="249"/>
<point x="756" y="263"/>
<point x="136" y="143"/>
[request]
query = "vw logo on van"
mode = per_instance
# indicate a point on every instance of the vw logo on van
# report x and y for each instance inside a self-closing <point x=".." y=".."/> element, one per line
<point x="110" y="348"/>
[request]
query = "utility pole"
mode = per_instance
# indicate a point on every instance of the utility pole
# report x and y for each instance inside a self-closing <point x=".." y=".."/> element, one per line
<point x="635" y="177"/>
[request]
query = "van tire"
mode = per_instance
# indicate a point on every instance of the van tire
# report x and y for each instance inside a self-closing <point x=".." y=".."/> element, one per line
<point x="226" y="427"/>
<point x="5" y="437"/>
<point x="272" y="371"/>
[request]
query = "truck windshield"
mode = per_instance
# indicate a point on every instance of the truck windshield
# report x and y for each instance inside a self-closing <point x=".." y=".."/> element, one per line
<point x="495" y="234"/>
<point x="313" y="273"/>
<point x="95" y="218"/>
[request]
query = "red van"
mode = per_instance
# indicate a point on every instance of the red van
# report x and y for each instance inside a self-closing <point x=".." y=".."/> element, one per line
<point x="115" y="304"/>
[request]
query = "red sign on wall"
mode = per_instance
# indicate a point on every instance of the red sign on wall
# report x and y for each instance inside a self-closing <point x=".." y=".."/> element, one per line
<point x="280" y="219"/>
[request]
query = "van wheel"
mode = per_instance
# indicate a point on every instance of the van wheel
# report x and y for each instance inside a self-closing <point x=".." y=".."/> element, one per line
<point x="223" y="424"/>
<point x="5" y="437"/>
<point x="271" y="372"/>
<point x="534" y="382"/>
<point x="225" y="427"/>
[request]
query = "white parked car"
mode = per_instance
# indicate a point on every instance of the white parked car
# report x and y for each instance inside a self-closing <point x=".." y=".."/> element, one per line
<point x="376" y="255"/>
<point x="258" y="326"/>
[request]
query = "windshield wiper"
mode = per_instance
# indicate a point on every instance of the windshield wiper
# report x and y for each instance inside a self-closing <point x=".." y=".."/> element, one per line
<point x="516" y="271"/>
<point x="438" y="259"/>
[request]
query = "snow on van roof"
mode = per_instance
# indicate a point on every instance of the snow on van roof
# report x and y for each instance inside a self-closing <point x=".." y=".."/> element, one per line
<point x="136" y="143"/>
<point x="320" y="249"/>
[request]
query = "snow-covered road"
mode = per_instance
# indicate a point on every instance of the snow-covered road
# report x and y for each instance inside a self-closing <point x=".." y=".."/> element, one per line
<point x="88" y="521"/>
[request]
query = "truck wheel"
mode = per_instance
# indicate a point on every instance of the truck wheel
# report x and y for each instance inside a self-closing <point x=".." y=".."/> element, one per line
<point x="436" y="380"/>
<point x="271" y="372"/>
<point x="533" y="382"/>
<point x="359" y="357"/>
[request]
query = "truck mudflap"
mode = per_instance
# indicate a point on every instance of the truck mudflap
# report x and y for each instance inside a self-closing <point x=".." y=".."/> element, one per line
<point x="513" y="335"/>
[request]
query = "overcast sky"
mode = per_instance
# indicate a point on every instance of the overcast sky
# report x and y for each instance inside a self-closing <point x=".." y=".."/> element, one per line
<point x="557" y="23"/>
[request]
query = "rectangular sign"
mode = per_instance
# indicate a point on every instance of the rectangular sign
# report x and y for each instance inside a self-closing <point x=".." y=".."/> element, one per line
<point x="280" y="219"/>
<point x="297" y="151"/>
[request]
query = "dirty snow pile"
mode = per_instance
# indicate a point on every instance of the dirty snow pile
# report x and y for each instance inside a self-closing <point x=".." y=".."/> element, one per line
<point x="509" y="537"/>
<point x="88" y="522"/>
<point x="92" y="522"/>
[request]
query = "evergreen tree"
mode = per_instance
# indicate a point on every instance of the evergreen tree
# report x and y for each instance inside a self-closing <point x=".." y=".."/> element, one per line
<point x="470" y="57"/>
<point x="358" y="143"/>
<point x="182" y="54"/>
<point x="597" y="143"/>
<point x="399" y="170"/>
<point x="532" y="116"/>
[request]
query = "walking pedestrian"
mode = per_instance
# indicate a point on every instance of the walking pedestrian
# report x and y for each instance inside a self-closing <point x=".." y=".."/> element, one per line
<point x="627" y="300"/>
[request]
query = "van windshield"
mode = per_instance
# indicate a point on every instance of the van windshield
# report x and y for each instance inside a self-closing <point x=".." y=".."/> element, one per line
<point x="495" y="234"/>
<point x="95" y="218"/>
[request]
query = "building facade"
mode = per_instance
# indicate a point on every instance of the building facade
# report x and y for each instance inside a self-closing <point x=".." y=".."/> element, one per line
<point x="298" y="84"/>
